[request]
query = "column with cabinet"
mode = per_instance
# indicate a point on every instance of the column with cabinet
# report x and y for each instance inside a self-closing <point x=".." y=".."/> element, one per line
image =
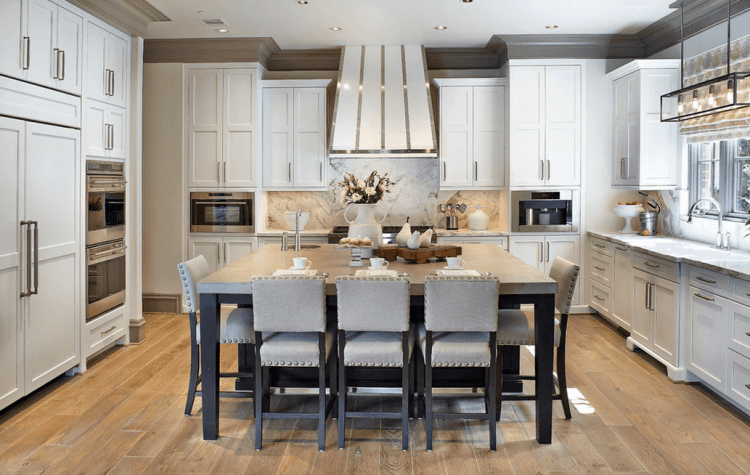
<point x="472" y="133"/>
<point x="539" y="251"/>
<point x="294" y="134"/>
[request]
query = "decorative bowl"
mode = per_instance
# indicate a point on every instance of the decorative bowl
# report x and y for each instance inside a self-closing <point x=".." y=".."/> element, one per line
<point x="628" y="212"/>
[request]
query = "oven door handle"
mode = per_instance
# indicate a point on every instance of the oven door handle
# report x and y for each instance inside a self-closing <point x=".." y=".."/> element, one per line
<point x="98" y="257"/>
<point x="210" y="203"/>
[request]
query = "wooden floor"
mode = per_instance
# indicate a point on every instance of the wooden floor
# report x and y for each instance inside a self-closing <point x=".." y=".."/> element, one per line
<point x="125" y="416"/>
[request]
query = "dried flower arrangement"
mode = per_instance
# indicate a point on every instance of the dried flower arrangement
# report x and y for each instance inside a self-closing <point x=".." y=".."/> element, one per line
<point x="367" y="191"/>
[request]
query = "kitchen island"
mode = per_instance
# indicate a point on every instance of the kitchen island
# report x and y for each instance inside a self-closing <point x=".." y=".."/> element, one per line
<point x="519" y="284"/>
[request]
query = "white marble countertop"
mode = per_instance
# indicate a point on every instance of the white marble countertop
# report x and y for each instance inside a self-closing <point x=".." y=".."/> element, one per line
<point x="734" y="263"/>
<point x="469" y="232"/>
<point x="306" y="232"/>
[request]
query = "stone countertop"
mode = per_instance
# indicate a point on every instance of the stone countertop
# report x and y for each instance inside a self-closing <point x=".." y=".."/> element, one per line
<point x="469" y="232"/>
<point x="733" y="263"/>
<point x="306" y="232"/>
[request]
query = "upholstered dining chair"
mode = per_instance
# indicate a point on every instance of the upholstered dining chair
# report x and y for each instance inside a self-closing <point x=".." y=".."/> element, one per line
<point x="460" y="321"/>
<point x="236" y="327"/>
<point x="516" y="328"/>
<point x="375" y="331"/>
<point x="292" y="329"/>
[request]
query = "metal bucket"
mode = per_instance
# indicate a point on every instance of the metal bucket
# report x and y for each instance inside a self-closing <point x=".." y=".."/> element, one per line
<point x="649" y="221"/>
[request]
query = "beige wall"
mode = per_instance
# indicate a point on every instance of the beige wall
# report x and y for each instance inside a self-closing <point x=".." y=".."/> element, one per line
<point x="162" y="177"/>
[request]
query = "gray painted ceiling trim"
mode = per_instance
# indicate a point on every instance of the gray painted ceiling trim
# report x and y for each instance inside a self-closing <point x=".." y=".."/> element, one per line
<point x="130" y="16"/>
<point x="573" y="46"/>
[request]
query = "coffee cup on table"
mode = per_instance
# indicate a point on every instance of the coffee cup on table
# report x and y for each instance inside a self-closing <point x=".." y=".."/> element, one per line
<point x="378" y="263"/>
<point x="455" y="262"/>
<point x="301" y="263"/>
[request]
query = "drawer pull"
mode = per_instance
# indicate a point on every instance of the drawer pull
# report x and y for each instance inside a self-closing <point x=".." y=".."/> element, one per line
<point x="747" y="386"/>
<point x="709" y="299"/>
<point x="655" y="266"/>
<point x="620" y="249"/>
<point x="598" y="268"/>
<point x="748" y="333"/>
<point x="107" y="331"/>
<point x="703" y="279"/>
<point x="598" y="298"/>
<point x="599" y="245"/>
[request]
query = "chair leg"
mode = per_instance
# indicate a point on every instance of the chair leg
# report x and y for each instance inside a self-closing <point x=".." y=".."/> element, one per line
<point x="412" y="385"/>
<point x="333" y="376"/>
<point x="492" y="391"/>
<point x="563" y="381"/>
<point x="428" y="392"/>
<point x="258" y="376"/>
<point x="195" y="364"/>
<point x="420" y="384"/>
<point x="499" y="389"/>
<point x="342" y="387"/>
<point x="322" y="392"/>
<point x="405" y="390"/>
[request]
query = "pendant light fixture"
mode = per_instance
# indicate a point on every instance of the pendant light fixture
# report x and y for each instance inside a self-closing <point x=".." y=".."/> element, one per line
<point x="708" y="97"/>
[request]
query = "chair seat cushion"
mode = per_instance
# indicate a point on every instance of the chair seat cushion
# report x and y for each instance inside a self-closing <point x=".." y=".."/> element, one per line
<point x="236" y="326"/>
<point x="294" y="348"/>
<point x="516" y="327"/>
<point x="376" y="348"/>
<point x="457" y="348"/>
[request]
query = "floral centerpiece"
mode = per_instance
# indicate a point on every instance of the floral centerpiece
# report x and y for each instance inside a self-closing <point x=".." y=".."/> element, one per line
<point x="365" y="191"/>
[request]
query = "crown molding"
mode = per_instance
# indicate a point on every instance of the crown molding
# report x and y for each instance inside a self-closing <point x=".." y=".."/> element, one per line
<point x="573" y="46"/>
<point x="130" y="16"/>
<point x="210" y="50"/>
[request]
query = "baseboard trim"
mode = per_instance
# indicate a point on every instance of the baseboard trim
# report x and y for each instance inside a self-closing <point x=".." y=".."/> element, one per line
<point x="161" y="303"/>
<point x="137" y="331"/>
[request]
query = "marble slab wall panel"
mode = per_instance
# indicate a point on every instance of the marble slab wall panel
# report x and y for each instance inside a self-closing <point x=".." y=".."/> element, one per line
<point x="415" y="196"/>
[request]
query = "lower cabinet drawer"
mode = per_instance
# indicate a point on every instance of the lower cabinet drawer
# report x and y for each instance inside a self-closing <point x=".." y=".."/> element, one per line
<point x="655" y="265"/>
<point x="708" y="280"/>
<point x="601" y="298"/>
<point x="738" y="379"/>
<point x="739" y="329"/>
<point x="601" y="268"/>
<point x="104" y="330"/>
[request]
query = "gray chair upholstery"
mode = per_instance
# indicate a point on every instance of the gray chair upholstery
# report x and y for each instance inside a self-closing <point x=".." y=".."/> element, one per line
<point x="375" y="331"/>
<point x="459" y="331"/>
<point x="236" y="326"/>
<point x="292" y="328"/>
<point x="516" y="328"/>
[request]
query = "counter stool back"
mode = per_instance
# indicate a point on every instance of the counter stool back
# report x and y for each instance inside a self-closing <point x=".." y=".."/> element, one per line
<point x="375" y="331"/>
<point x="236" y="327"/>
<point x="459" y="330"/>
<point x="292" y="329"/>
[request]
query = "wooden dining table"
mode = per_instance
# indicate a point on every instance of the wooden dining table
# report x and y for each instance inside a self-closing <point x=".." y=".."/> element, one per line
<point x="519" y="284"/>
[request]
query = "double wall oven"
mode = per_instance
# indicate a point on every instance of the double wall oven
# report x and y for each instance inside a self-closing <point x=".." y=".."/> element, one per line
<point x="105" y="236"/>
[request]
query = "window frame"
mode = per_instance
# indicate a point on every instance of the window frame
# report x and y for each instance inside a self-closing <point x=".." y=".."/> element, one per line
<point x="728" y="179"/>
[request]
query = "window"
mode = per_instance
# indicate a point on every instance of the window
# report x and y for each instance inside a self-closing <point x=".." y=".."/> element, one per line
<point x="721" y="170"/>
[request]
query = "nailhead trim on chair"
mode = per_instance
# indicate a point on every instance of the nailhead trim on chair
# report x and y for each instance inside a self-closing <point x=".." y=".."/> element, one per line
<point x="224" y="340"/>
<point x="289" y="363"/>
<point x="375" y="364"/>
<point x="460" y="364"/>
<point x="384" y="278"/>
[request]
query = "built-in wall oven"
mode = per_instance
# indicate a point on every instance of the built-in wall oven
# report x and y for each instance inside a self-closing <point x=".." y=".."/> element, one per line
<point x="105" y="236"/>
<point x="221" y="212"/>
<point x="544" y="211"/>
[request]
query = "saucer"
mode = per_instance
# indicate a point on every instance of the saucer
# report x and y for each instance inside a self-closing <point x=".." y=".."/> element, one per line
<point x="453" y="268"/>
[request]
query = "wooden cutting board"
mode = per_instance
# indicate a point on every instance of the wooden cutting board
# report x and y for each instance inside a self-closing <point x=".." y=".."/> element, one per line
<point x="391" y="252"/>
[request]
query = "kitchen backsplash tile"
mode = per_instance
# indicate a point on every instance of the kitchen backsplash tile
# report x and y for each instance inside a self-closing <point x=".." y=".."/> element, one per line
<point x="415" y="195"/>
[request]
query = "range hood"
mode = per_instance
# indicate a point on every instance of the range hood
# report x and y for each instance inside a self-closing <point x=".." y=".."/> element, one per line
<point x="383" y="107"/>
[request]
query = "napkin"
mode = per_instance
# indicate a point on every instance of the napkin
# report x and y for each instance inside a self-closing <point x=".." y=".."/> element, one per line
<point x="456" y="272"/>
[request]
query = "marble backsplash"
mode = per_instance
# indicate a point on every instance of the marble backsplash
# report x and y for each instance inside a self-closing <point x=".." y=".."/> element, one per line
<point x="415" y="196"/>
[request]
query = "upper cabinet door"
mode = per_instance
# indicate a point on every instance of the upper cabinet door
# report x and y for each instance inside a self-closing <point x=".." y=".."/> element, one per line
<point x="278" y="136"/>
<point x="68" y="59"/>
<point x="563" y="125"/>
<point x="658" y="140"/>
<point x="204" y="127"/>
<point x="626" y="121"/>
<point x="96" y="129"/>
<point x="309" y="137"/>
<point x="239" y="127"/>
<point x="42" y="33"/>
<point x="96" y="63"/>
<point x="117" y="61"/>
<point x="456" y="137"/>
<point x="527" y="129"/>
<point x="12" y="33"/>
<point x="489" y="136"/>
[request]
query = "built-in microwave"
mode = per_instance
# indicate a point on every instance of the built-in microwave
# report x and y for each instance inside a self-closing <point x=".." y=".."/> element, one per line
<point x="221" y="212"/>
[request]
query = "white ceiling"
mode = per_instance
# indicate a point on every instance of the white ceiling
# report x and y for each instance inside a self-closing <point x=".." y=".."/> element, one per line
<point x="403" y="21"/>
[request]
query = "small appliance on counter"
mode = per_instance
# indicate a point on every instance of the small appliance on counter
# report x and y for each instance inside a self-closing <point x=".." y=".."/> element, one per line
<point x="649" y="218"/>
<point x="544" y="211"/>
<point x="450" y="211"/>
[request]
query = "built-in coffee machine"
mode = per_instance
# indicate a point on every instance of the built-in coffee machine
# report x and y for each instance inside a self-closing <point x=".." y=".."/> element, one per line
<point x="544" y="211"/>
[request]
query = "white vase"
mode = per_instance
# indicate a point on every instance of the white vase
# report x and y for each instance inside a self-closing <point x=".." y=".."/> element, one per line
<point x="365" y="224"/>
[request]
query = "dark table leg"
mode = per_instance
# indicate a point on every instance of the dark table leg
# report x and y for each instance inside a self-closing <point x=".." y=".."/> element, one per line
<point x="210" y="323"/>
<point x="511" y="366"/>
<point x="245" y="364"/>
<point x="544" y="334"/>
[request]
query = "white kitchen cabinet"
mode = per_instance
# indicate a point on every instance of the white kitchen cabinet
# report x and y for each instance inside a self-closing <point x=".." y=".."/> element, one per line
<point x="294" y="135"/>
<point x="540" y="251"/>
<point x="472" y="133"/>
<point x="545" y="125"/>
<point x="706" y="327"/>
<point x="656" y="316"/>
<point x="221" y="127"/>
<point x="530" y="249"/>
<point x="41" y="42"/>
<point x="106" y="129"/>
<point x="622" y="288"/>
<point x="39" y="330"/>
<point x="106" y="66"/>
<point x="221" y="251"/>
<point x="644" y="148"/>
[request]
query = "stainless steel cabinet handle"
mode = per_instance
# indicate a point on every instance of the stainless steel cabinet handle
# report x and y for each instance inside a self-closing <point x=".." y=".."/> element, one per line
<point x="599" y="268"/>
<point x="549" y="168"/>
<point x="57" y="64"/>
<point x="541" y="252"/>
<point x="648" y="286"/>
<point x="623" y="173"/>
<point x="542" y="167"/>
<point x="290" y="172"/>
<point x="748" y="333"/>
<point x="225" y="253"/>
<point x="26" y="52"/>
<point x="321" y="172"/>
<point x="106" y="82"/>
<point x="703" y="279"/>
<point x="27" y="292"/>
<point x="709" y="299"/>
<point x="747" y="386"/>
<point x="62" y="66"/>
<point x="112" y="91"/>
<point x="112" y="132"/>
<point x="36" y="256"/>
<point x="225" y="171"/>
<point x="651" y="265"/>
<point x="598" y="298"/>
<point x="599" y="245"/>
<point x="110" y="329"/>
<point x="620" y="249"/>
<point x="547" y="252"/>
<point x="218" y="171"/>
<point x="476" y="171"/>
<point x="445" y="171"/>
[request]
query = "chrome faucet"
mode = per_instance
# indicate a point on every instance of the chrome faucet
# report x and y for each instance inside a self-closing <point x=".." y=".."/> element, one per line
<point x="297" y="240"/>
<point x="722" y="240"/>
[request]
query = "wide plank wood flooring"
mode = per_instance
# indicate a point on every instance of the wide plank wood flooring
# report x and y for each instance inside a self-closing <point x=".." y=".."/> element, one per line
<point x="125" y="416"/>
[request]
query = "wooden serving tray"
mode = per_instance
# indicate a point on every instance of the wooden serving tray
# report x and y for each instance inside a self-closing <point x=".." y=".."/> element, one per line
<point x="391" y="252"/>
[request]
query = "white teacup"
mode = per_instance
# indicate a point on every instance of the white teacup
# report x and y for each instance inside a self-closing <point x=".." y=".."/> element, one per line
<point x="301" y="263"/>
<point x="455" y="262"/>
<point x="378" y="263"/>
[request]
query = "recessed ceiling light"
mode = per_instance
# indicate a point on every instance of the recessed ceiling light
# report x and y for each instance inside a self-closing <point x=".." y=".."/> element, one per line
<point x="336" y="28"/>
<point x="441" y="27"/>
<point x="467" y="1"/>
<point x="551" y="27"/>
<point x="302" y="2"/>
<point x="223" y="30"/>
